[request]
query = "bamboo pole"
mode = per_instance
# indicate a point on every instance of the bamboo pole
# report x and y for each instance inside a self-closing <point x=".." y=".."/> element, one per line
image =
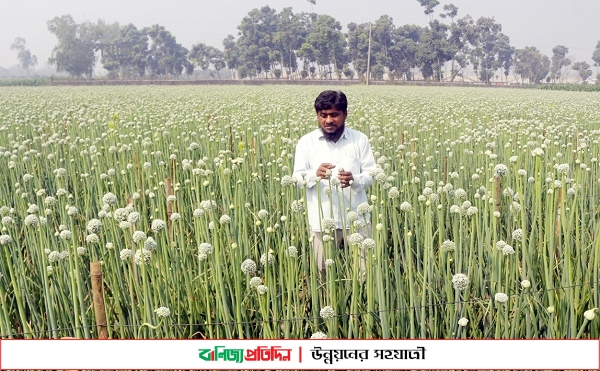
<point x="169" y="191"/>
<point x="98" y="297"/>
<point x="497" y="194"/>
<point x="557" y="225"/>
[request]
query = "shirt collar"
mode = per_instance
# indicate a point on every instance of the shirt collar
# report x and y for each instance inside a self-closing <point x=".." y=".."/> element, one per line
<point x="345" y="134"/>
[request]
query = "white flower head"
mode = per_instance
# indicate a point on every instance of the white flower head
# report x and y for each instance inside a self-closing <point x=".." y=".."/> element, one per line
<point x="162" y="312"/>
<point x="463" y="322"/>
<point x="292" y="251"/>
<point x="255" y="282"/>
<point x="500" y="170"/>
<point x="109" y="198"/>
<point x="448" y="246"/>
<point x="53" y="256"/>
<point x="368" y="243"/>
<point x="501" y="297"/>
<point x="318" y="335"/>
<point x="590" y="314"/>
<point x="205" y="249"/>
<point x="142" y="256"/>
<point x="460" y="281"/>
<point x="393" y="193"/>
<point x="124" y="224"/>
<point x="248" y="266"/>
<point x="364" y="208"/>
<point x="271" y="259"/>
<point x="92" y="238"/>
<point x="138" y="236"/>
<point x="150" y="244"/>
<point x="33" y="208"/>
<point x="7" y="220"/>
<point x="157" y="225"/>
<point x="120" y="214"/>
<point x="126" y="254"/>
<point x="405" y="206"/>
<point x="508" y="250"/>
<point x="355" y="239"/>
<point x="262" y="289"/>
<point x="327" y="224"/>
<point x="94" y="226"/>
<point x="31" y="220"/>
<point x="517" y="235"/>
<point x="327" y="312"/>
<point x="133" y="217"/>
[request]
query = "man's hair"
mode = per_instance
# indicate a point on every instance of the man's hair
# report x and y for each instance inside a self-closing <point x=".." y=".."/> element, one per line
<point x="331" y="99"/>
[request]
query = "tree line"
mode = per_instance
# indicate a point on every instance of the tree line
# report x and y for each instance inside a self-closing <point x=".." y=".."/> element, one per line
<point x="290" y="45"/>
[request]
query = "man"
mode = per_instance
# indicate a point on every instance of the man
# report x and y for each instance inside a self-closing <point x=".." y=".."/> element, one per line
<point x="334" y="163"/>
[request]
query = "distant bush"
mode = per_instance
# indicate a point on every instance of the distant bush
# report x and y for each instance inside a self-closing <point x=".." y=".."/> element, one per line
<point x="570" y="87"/>
<point x="24" y="82"/>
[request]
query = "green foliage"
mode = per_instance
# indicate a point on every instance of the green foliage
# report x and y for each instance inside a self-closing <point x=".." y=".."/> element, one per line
<point x="74" y="52"/>
<point x="559" y="60"/>
<point x="531" y="64"/>
<point x="460" y="176"/>
<point x="26" y="59"/>
<point x="583" y="69"/>
<point x="165" y="55"/>
<point x="24" y="82"/>
<point x="569" y="87"/>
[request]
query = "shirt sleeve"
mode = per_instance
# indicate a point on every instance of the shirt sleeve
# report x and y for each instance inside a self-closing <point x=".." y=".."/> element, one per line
<point x="367" y="165"/>
<point x="302" y="165"/>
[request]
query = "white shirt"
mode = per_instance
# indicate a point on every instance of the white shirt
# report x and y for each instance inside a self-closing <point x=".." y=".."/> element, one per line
<point x="352" y="152"/>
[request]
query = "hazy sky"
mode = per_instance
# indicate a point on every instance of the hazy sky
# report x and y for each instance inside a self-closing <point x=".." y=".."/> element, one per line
<point x="540" y="23"/>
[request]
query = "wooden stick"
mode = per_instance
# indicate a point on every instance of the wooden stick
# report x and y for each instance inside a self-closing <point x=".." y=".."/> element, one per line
<point x="169" y="191"/>
<point x="98" y="297"/>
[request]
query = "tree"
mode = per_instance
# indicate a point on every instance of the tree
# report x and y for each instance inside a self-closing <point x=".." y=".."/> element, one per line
<point x="596" y="59"/>
<point x="506" y="54"/>
<point x="308" y="55"/>
<point x="357" y="40"/>
<point x="165" y="55"/>
<point x="291" y="32"/>
<point x="348" y="72"/>
<point x="433" y="50"/>
<point x="451" y="11"/>
<point x="256" y="39"/>
<point x="403" y="52"/>
<point x="26" y="59"/>
<point x="74" y="52"/>
<point x="583" y="69"/>
<point x="231" y="54"/>
<point x="135" y="59"/>
<point x="429" y="6"/>
<point x="531" y="64"/>
<point x="205" y="56"/>
<point x="461" y="33"/>
<point x="456" y="42"/>
<point x="490" y="48"/>
<point x="559" y="60"/>
<point x="382" y="44"/>
<point x="328" y="43"/>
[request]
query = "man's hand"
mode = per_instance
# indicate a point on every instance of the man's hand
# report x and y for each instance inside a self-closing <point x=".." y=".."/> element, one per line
<point x="322" y="170"/>
<point x="346" y="178"/>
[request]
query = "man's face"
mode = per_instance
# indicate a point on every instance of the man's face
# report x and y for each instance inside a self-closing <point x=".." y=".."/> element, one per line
<point x="331" y="122"/>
